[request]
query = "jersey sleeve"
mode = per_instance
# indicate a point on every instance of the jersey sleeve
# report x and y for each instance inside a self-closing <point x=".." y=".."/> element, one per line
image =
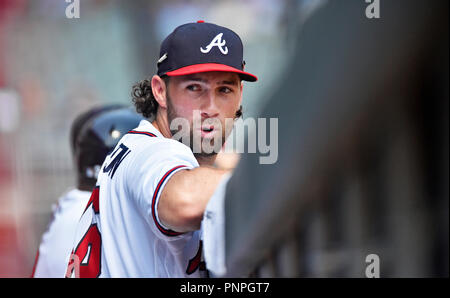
<point x="149" y="172"/>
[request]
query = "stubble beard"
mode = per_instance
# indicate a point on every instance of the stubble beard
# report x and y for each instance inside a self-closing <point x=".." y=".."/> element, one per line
<point x="171" y="115"/>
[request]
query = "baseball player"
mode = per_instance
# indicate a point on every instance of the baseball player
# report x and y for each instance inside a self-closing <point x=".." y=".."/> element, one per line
<point x="144" y="215"/>
<point x="93" y="134"/>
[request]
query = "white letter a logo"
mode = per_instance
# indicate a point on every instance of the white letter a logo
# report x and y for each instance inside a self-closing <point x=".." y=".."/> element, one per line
<point x="216" y="42"/>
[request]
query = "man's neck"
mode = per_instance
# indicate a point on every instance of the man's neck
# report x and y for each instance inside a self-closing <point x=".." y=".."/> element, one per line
<point x="160" y="123"/>
<point x="205" y="160"/>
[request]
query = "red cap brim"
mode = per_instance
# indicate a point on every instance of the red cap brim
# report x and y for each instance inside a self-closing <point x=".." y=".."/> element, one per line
<point x="206" y="67"/>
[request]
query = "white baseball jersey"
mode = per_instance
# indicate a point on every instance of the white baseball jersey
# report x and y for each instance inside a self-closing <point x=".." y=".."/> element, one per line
<point x="120" y="234"/>
<point x="213" y="230"/>
<point x="57" y="242"/>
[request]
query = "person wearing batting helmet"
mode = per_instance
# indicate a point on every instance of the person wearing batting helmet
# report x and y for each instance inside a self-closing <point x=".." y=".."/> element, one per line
<point x="93" y="135"/>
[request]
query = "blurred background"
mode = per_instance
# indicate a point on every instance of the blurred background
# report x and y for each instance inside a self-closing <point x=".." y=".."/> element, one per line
<point x="52" y="68"/>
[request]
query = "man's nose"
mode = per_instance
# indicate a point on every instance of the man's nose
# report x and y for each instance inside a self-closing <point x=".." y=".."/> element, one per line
<point x="209" y="108"/>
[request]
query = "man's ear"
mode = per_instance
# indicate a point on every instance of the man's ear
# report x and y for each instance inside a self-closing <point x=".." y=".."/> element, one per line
<point x="159" y="90"/>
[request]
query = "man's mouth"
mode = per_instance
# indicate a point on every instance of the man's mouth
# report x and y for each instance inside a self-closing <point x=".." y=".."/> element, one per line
<point x="208" y="128"/>
<point x="207" y="131"/>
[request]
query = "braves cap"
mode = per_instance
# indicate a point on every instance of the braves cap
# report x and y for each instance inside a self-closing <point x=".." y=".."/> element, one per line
<point x="202" y="47"/>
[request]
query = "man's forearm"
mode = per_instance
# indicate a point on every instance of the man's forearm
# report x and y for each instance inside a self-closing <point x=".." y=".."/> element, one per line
<point x="185" y="196"/>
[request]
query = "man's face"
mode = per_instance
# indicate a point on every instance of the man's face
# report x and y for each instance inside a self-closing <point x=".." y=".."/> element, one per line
<point x="214" y="96"/>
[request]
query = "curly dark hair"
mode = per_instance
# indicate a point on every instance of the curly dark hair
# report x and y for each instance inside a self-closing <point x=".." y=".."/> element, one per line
<point x="143" y="99"/>
<point x="145" y="102"/>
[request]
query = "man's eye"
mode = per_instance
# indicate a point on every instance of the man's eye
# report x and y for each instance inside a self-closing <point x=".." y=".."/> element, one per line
<point x="193" y="87"/>
<point x="225" y="90"/>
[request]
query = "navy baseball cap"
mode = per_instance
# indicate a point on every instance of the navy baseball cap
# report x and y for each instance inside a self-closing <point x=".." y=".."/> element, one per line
<point x="202" y="47"/>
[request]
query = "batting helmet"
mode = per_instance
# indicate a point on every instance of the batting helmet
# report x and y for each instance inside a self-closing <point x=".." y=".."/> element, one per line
<point x="99" y="134"/>
<point x="84" y="117"/>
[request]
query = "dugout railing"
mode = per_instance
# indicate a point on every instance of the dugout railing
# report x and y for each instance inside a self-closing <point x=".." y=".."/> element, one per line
<point x="362" y="169"/>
